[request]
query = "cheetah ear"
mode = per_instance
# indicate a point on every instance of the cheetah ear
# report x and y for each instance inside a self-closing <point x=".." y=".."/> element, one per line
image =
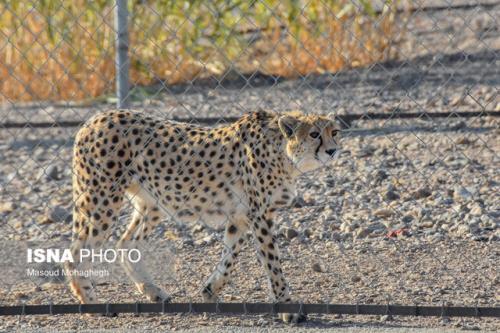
<point x="288" y="125"/>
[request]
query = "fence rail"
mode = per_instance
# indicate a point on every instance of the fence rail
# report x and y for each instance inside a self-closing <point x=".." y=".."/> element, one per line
<point x="344" y="120"/>
<point x="253" y="308"/>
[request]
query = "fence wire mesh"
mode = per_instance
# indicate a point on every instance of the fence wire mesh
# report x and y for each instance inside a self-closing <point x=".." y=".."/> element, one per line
<point x="408" y="212"/>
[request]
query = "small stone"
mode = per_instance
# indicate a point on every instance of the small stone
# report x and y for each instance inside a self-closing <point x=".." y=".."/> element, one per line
<point x="317" y="267"/>
<point x="380" y="175"/>
<point x="366" y="151"/>
<point x="476" y="210"/>
<point x="463" y="230"/>
<point x="291" y="233"/>
<point x="49" y="286"/>
<point x="50" y="173"/>
<point x="205" y="241"/>
<point x="308" y="232"/>
<point x="462" y="193"/>
<point x="422" y="192"/>
<point x="362" y="232"/>
<point x="390" y="195"/>
<point x="21" y="296"/>
<point x="298" y="202"/>
<point x="262" y="322"/>
<point x="386" y="318"/>
<point x="463" y="141"/>
<point x="355" y="278"/>
<point x="407" y="218"/>
<point x="198" y="228"/>
<point x="57" y="214"/>
<point x="456" y="100"/>
<point x="309" y="199"/>
<point x="7" y="207"/>
<point x="471" y="327"/>
<point x="336" y="236"/>
<point x="426" y="224"/>
<point x="383" y="213"/>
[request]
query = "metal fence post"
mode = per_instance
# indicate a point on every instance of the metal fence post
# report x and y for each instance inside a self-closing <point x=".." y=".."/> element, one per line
<point x="122" y="60"/>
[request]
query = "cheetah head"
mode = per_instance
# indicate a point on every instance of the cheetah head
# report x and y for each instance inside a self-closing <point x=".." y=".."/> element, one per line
<point x="312" y="141"/>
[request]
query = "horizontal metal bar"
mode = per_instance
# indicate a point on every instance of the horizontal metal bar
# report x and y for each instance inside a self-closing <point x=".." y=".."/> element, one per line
<point x="344" y="119"/>
<point x="252" y="308"/>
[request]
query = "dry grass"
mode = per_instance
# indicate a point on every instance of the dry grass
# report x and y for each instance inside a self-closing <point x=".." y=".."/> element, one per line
<point x="55" y="50"/>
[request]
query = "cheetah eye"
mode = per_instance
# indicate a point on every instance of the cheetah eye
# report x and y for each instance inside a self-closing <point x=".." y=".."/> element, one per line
<point x="314" y="135"/>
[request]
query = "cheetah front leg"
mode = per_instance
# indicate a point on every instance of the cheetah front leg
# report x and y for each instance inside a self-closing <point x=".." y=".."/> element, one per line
<point x="268" y="255"/>
<point x="234" y="238"/>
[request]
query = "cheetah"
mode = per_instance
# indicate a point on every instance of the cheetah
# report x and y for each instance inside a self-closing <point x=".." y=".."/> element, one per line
<point x="240" y="173"/>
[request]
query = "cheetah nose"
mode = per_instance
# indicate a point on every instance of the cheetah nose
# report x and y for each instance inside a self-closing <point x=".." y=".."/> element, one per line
<point x="331" y="152"/>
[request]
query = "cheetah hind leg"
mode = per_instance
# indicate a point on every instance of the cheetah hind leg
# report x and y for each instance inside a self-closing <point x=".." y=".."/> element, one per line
<point x="85" y="236"/>
<point x="144" y="219"/>
<point x="234" y="238"/>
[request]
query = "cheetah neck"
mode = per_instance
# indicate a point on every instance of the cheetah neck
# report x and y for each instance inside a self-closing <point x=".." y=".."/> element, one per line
<point x="260" y="133"/>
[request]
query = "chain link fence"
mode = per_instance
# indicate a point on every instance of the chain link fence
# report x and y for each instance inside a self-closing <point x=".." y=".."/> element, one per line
<point x="406" y="216"/>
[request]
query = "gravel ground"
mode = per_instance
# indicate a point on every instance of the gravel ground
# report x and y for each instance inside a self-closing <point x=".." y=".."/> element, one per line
<point x="362" y="230"/>
<point x="408" y="214"/>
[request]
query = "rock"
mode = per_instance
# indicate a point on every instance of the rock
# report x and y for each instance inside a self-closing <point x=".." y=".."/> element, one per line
<point x="461" y="193"/>
<point x="426" y="224"/>
<point x="57" y="214"/>
<point x="50" y="173"/>
<point x="291" y="233"/>
<point x="390" y="195"/>
<point x="383" y="213"/>
<point x="21" y="296"/>
<point x="386" y="318"/>
<point x="362" y="232"/>
<point x="355" y="278"/>
<point x="317" y="267"/>
<point x="422" y="193"/>
<point x="298" y="202"/>
<point x="463" y="230"/>
<point x="476" y="210"/>
<point x="336" y="236"/>
<point x="407" y="218"/>
<point x="7" y="207"/>
<point x="208" y="240"/>
<point x="366" y="151"/>
<point x="307" y="232"/>
<point x="330" y="181"/>
<point x="463" y="141"/>
<point x="470" y="327"/>
<point x="262" y="322"/>
<point x="380" y="175"/>
<point x="198" y="228"/>
<point x="309" y="199"/>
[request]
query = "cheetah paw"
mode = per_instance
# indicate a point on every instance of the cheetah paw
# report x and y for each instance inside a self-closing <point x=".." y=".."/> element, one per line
<point x="153" y="293"/>
<point x="208" y="296"/>
<point x="293" y="318"/>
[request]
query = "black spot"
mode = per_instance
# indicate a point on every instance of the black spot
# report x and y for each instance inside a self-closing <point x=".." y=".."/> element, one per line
<point x="232" y="229"/>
